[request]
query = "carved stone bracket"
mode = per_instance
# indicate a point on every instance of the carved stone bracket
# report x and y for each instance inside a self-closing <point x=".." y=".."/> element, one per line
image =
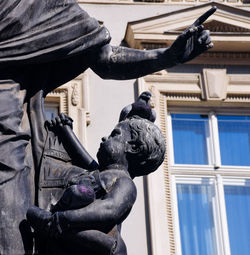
<point x="73" y="99"/>
<point x="214" y="85"/>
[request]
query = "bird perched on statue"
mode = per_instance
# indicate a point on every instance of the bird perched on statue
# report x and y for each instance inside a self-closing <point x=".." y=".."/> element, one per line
<point x="140" y="107"/>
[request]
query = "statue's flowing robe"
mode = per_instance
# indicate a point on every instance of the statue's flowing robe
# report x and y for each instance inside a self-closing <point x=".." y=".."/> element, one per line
<point x="43" y="43"/>
<point x="46" y="30"/>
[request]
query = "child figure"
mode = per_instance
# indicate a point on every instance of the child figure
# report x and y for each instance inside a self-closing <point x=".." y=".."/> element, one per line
<point x="135" y="147"/>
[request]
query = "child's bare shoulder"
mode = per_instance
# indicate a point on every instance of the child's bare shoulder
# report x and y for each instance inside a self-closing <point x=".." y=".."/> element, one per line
<point x="111" y="177"/>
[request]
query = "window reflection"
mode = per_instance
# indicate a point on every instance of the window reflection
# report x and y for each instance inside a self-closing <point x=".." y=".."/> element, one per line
<point x="234" y="136"/>
<point x="51" y="110"/>
<point x="190" y="134"/>
<point x="196" y="218"/>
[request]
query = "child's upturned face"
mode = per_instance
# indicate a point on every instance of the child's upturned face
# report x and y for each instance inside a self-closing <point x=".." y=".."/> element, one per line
<point x="112" y="148"/>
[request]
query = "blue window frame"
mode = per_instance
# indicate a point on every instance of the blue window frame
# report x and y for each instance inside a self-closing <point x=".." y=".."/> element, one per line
<point x="190" y="136"/>
<point x="51" y="110"/>
<point x="196" y="219"/>
<point x="234" y="136"/>
<point x="237" y="200"/>
<point x="212" y="218"/>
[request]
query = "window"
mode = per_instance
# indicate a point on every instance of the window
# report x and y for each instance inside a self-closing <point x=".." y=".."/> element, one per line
<point x="51" y="110"/>
<point x="210" y="167"/>
<point x="191" y="131"/>
<point x="199" y="163"/>
<point x="234" y="134"/>
<point x="237" y="198"/>
<point x="197" y="205"/>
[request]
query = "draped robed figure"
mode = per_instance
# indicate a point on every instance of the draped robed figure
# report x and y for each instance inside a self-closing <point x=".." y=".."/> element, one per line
<point x="42" y="45"/>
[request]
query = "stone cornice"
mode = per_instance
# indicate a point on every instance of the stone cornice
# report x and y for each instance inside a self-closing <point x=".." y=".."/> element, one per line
<point x="229" y="26"/>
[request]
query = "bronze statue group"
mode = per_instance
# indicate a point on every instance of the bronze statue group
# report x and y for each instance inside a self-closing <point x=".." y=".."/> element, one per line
<point x="88" y="215"/>
<point x="72" y="207"/>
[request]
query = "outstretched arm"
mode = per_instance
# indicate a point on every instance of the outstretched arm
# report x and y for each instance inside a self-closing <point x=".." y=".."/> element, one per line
<point x="125" y="63"/>
<point x="62" y="126"/>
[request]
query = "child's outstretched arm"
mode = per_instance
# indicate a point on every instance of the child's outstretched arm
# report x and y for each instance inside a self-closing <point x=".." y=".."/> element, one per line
<point x="62" y="125"/>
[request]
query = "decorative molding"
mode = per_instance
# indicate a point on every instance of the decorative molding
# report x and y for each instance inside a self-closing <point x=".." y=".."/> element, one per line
<point x="183" y="97"/>
<point x="222" y="58"/>
<point x="239" y="3"/>
<point x="216" y="26"/>
<point x="214" y="83"/>
<point x="230" y="28"/>
<point x="153" y="102"/>
<point x="73" y="100"/>
<point x="152" y="45"/>
<point x="237" y="98"/>
<point x="239" y="79"/>
<point x="59" y="95"/>
<point x="194" y="87"/>
<point x="168" y="191"/>
<point x="227" y="55"/>
<point x="153" y="1"/>
<point x="75" y="94"/>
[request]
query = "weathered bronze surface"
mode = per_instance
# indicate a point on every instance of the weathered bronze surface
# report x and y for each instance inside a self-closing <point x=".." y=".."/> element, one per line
<point x="44" y="44"/>
<point x="88" y="215"/>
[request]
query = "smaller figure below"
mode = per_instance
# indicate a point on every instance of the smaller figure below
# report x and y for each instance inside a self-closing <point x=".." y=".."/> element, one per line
<point x="134" y="148"/>
<point x="141" y="107"/>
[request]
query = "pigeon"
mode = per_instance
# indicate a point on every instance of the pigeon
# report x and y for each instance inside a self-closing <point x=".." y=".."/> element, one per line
<point x="140" y="108"/>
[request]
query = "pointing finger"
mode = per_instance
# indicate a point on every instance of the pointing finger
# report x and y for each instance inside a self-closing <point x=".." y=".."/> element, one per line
<point x="204" y="16"/>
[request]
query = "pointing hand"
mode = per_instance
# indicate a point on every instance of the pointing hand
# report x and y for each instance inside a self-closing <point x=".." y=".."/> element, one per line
<point x="193" y="41"/>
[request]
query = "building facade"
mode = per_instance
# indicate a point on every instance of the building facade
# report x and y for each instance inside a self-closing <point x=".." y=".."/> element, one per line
<point x="198" y="201"/>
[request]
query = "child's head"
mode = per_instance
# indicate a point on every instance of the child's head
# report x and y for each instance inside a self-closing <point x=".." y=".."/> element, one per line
<point x="135" y="143"/>
<point x="147" y="147"/>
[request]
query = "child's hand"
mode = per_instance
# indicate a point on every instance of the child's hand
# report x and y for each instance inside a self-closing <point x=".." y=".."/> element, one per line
<point x="60" y="121"/>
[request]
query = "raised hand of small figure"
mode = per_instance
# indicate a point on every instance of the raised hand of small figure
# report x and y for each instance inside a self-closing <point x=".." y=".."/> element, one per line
<point x="60" y="121"/>
<point x="193" y="41"/>
<point x="62" y="127"/>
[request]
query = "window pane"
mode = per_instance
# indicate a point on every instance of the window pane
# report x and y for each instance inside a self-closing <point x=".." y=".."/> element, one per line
<point x="234" y="135"/>
<point x="190" y="133"/>
<point x="51" y="110"/>
<point x="197" y="230"/>
<point x="238" y="216"/>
